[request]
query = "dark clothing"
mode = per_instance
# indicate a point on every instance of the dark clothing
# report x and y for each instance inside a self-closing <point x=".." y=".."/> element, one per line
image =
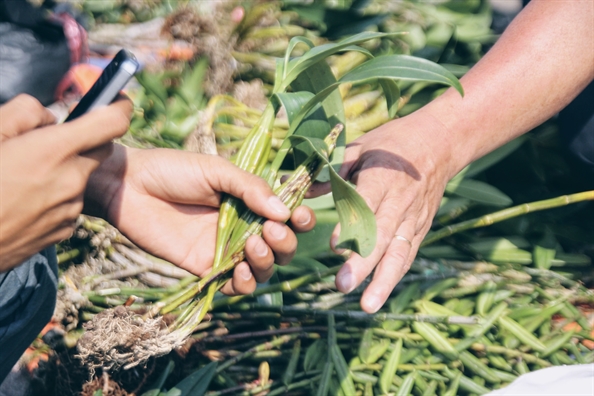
<point x="27" y="301"/>
<point x="576" y="126"/>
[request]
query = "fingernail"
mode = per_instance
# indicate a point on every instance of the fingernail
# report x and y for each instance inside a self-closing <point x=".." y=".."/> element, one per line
<point x="373" y="303"/>
<point x="261" y="248"/>
<point x="278" y="206"/>
<point x="245" y="273"/>
<point x="278" y="230"/>
<point x="345" y="281"/>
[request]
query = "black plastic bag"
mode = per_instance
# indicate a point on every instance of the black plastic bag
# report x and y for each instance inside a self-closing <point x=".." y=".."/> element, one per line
<point x="34" y="52"/>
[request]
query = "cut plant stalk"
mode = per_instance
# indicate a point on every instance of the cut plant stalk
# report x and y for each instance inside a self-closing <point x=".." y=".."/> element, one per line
<point x="505" y="214"/>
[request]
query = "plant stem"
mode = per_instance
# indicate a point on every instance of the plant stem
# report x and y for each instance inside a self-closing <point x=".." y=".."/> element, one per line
<point x="359" y="315"/>
<point x="285" y="286"/>
<point x="510" y="353"/>
<point x="506" y="214"/>
<point x="264" y="347"/>
<point x="64" y="257"/>
<point x="266" y="333"/>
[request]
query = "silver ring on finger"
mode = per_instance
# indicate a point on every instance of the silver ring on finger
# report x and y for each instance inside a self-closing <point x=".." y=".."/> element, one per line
<point x="401" y="238"/>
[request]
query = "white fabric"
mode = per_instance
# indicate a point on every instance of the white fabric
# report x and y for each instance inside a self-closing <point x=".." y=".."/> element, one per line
<point x="575" y="380"/>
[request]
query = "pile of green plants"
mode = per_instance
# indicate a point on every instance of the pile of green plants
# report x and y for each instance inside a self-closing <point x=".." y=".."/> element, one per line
<point x="495" y="292"/>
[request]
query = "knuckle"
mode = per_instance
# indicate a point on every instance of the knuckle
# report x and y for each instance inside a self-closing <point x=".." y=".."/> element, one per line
<point x="383" y="238"/>
<point x="407" y="263"/>
<point x="75" y="209"/>
<point x="397" y="255"/>
<point x="64" y="233"/>
<point x="29" y="103"/>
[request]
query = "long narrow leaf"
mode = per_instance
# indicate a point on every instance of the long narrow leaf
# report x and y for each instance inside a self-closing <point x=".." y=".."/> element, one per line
<point x="316" y="54"/>
<point x="479" y="192"/>
<point x="405" y="68"/>
<point x="392" y="94"/>
<point x="196" y="384"/>
<point x="292" y="44"/>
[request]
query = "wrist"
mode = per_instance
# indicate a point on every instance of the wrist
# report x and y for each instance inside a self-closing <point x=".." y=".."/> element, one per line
<point x="440" y="153"/>
<point x="106" y="182"/>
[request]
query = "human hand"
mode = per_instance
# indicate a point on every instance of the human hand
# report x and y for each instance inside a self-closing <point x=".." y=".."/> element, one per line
<point x="401" y="170"/>
<point x="44" y="171"/>
<point x="167" y="202"/>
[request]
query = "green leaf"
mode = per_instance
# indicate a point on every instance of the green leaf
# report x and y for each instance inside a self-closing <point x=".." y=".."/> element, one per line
<point x="365" y="345"/>
<point x="390" y="367"/>
<point x="543" y="257"/>
<point x="314" y="353"/>
<point x="310" y="145"/>
<point x="292" y="366"/>
<point x="491" y="159"/>
<point x="486" y="244"/>
<point x="404" y="68"/>
<point x="452" y="205"/>
<point x="358" y="225"/>
<point x="322" y="202"/>
<point x="315" y="242"/>
<point x="392" y="94"/>
<point x="195" y="384"/>
<point x="316" y="54"/>
<point x="279" y="69"/>
<point x="389" y="67"/>
<point x="156" y="388"/>
<point x="479" y="192"/>
<point x="546" y="249"/>
<point x="357" y="222"/>
<point x="356" y="48"/>
<point x="315" y="79"/>
<point x="191" y="87"/>
<point x="299" y="266"/>
<point x="318" y="120"/>
<point x="292" y="44"/>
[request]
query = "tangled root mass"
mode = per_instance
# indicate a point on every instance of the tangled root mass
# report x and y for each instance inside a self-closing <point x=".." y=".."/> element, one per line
<point x="119" y="338"/>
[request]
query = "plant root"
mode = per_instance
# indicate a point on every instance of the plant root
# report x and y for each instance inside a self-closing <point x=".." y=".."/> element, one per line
<point x="119" y="338"/>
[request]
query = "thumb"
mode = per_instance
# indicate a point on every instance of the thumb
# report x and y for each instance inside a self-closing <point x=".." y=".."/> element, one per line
<point x="251" y="189"/>
<point x="23" y="114"/>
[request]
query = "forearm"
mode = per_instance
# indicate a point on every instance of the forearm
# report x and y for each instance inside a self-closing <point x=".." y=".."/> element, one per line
<point x="541" y="62"/>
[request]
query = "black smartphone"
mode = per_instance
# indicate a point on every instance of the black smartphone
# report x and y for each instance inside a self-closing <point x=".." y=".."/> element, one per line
<point x="113" y="79"/>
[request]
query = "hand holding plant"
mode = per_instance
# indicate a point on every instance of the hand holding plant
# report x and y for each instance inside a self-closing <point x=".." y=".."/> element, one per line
<point x="167" y="202"/>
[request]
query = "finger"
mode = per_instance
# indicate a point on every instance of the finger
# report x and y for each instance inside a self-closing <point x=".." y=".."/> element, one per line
<point x="303" y="219"/>
<point x="242" y="281"/>
<point x="94" y="129"/>
<point x="260" y="258"/>
<point x="391" y="268"/>
<point x="21" y="115"/>
<point x="281" y="240"/>
<point x="237" y="14"/>
<point x="223" y="176"/>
